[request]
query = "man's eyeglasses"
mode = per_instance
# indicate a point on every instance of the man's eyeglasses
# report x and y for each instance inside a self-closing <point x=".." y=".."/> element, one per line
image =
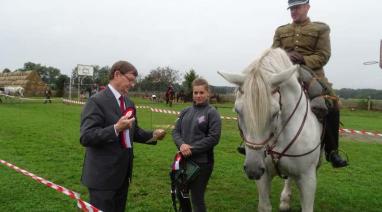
<point x="130" y="77"/>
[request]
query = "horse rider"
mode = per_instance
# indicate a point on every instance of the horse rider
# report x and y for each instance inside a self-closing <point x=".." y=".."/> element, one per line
<point x="308" y="43"/>
<point x="170" y="95"/>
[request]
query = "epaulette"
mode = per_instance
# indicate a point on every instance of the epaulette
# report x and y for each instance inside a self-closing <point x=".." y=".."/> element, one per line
<point x="283" y="26"/>
<point x="322" y="25"/>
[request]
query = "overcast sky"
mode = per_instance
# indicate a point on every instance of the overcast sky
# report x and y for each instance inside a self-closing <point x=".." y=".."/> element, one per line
<point x="206" y="35"/>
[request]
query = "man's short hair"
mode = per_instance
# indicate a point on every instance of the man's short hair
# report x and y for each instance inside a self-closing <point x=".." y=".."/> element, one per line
<point x="124" y="67"/>
<point x="292" y="3"/>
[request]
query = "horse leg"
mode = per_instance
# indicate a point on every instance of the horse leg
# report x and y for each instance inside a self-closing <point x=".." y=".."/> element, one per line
<point x="286" y="195"/>
<point x="307" y="183"/>
<point x="264" y="189"/>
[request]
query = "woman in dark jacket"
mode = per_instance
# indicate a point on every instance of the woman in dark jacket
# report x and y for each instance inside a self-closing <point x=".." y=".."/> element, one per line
<point x="196" y="133"/>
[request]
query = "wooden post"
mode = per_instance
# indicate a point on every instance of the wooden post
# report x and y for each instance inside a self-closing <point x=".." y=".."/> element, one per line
<point x="368" y="103"/>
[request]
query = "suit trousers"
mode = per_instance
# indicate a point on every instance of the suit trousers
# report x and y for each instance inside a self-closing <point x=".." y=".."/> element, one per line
<point x="110" y="200"/>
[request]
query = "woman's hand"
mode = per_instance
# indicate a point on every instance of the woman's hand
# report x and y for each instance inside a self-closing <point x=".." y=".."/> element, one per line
<point x="185" y="149"/>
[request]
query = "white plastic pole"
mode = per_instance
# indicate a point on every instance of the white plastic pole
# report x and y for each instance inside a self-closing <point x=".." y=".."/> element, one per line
<point x="380" y="55"/>
<point x="70" y="87"/>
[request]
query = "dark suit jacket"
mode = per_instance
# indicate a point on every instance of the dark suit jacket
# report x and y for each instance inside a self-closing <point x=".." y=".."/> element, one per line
<point x="106" y="163"/>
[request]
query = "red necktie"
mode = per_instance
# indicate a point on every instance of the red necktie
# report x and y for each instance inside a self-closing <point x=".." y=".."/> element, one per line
<point x="122" y="135"/>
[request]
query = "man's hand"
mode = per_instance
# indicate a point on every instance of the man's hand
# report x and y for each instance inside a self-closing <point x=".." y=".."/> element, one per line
<point x="159" y="134"/>
<point x="124" y="123"/>
<point x="296" y="57"/>
<point x="185" y="149"/>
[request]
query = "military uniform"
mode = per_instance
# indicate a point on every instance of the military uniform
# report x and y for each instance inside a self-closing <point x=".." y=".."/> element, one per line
<point x="308" y="43"/>
<point x="310" y="39"/>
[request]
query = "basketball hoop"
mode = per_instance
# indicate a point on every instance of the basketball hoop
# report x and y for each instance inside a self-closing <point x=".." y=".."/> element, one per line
<point x="370" y="62"/>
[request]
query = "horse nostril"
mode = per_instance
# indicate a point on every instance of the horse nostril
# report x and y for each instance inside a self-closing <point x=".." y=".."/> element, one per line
<point x="245" y="167"/>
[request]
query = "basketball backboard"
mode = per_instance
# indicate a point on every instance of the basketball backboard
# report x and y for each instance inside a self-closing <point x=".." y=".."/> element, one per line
<point x="85" y="70"/>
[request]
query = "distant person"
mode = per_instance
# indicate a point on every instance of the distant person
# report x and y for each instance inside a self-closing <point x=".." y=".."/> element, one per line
<point x="48" y="94"/>
<point x="82" y="96"/>
<point x="180" y="96"/>
<point x="196" y="133"/>
<point x="170" y="94"/>
<point x="94" y="91"/>
<point x="109" y="126"/>
<point x="308" y="43"/>
<point x="154" y="98"/>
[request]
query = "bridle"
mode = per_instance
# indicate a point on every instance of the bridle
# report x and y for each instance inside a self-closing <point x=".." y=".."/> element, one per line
<point x="252" y="144"/>
<point x="269" y="149"/>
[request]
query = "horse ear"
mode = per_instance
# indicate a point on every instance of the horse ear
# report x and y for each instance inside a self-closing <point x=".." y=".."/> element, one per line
<point x="280" y="77"/>
<point x="237" y="79"/>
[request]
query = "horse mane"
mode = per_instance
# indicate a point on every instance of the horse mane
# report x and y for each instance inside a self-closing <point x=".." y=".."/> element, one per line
<point x="257" y="88"/>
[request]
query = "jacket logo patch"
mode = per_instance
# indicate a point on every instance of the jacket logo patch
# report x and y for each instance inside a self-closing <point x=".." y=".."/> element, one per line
<point x="201" y="119"/>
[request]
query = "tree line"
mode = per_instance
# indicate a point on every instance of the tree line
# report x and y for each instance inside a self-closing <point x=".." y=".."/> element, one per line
<point x="348" y="93"/>
<point x="157" y="80"/>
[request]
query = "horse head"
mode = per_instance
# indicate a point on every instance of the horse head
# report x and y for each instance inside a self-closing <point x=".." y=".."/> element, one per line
<point x="257" y="105"/>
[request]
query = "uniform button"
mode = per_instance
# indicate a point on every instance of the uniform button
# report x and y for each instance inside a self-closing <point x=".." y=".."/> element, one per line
<point x="296" y="47"/>
<point x="297" y="34"/>
<point x="296" y="41"/>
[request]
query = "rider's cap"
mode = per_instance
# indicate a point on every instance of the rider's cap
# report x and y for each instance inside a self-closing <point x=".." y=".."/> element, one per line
<point x="292" y="3"/>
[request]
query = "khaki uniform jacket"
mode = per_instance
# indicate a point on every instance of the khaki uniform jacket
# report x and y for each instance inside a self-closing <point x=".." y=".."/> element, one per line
<point x="310" y="39"/>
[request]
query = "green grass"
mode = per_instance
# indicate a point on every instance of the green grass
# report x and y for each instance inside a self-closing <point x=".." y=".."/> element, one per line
<point x="44" y="139"/>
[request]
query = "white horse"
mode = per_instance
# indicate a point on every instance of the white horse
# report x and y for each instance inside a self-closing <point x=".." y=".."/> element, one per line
<point x="14" y="91"/>
<point x="281" y="133"/>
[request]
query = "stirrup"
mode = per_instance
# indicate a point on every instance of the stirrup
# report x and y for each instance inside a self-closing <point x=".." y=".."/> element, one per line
<point x="339" y="162"/>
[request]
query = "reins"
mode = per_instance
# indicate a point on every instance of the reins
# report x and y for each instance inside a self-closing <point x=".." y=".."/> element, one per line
<point x="270" y="150"/>
<point x="275" y="155"/>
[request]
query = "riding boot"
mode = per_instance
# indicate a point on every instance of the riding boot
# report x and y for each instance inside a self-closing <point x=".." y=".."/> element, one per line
<point x="241" y="149"/>
<point x="331" y="138"/>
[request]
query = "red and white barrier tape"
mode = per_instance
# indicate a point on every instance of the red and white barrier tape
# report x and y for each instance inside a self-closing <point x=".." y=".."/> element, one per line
<point x="359" y="132"/>
<point x="28" y="99"/>
<point x="165" y="111"/>
<point x="228" y="118"/>
<point x="350" y="131"/>
<point x="177" y="113"/>
<point x="68" y="101"/>
<point x="143" y="107"/>
<point x="84" y="206"/>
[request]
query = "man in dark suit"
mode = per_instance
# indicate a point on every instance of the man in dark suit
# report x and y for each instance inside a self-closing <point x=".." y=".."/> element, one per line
<point x="108" y="128"/>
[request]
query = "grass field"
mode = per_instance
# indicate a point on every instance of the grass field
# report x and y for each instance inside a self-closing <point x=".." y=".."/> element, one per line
<point x="44" y="139"/>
